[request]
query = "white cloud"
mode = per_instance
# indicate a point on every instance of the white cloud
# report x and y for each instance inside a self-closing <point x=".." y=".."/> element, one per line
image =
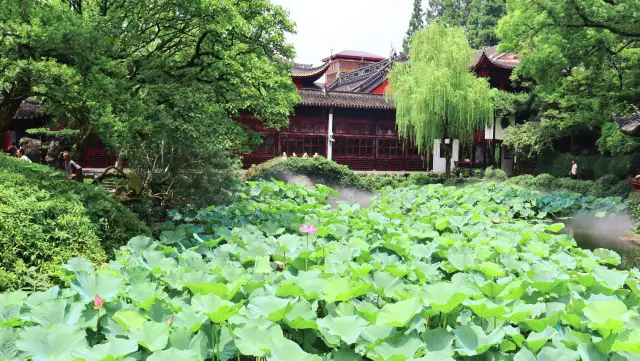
<point x="367" y="25"/>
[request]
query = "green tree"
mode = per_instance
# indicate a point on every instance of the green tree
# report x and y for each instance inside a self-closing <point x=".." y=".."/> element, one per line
<point x="479" y="18"/>
<point x="583" y="56"/>
<point x="415" y="24"/>
<point x="435" y="93"/>
<point x="160" y="81"/>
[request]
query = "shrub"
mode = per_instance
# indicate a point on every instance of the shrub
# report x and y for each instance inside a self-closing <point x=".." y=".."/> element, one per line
<point x="318" y="168"/>
<point x="495" y="174"/>
<point x="589" y="167"/>
<point x="46" y="220"/>
<point x="633" y="205"/>
<point x="607" y="186"/>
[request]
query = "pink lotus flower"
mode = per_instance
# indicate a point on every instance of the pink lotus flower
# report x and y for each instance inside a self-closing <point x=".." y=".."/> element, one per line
<point x="98" y="302"/>
<point x="310" y="229"/>
<point x="170" y="321"/>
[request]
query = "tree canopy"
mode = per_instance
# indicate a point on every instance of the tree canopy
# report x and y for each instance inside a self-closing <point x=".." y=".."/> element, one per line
<point x="584" y="59"/>
<point x="435" y="93"/>
<point x="479" y="18"/>
<point x="415" y="24"/>
<point x="160" y="81"/>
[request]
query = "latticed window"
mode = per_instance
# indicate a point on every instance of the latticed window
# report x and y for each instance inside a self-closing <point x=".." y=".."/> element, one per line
<point x="304" y="144"/>
<point x="353" y="147"/>
<point x="268" y="146"/>
<point x="389" y="147"/>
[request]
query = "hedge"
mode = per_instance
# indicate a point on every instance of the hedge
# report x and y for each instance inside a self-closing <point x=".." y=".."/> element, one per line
<point x="45" y="220"/>
<point x="327" y="172"/>
<point x="607" y="186"/>
<point x="589" y="167"/>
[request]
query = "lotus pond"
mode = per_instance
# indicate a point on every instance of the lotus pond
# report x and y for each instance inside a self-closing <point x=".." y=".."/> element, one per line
<point x="431" y="273"/>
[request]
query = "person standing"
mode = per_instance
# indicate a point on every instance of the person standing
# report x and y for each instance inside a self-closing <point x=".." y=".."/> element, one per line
<point x="574" y="170"/>
<point x="71" y="168"/>
<point x="20" y="155"/>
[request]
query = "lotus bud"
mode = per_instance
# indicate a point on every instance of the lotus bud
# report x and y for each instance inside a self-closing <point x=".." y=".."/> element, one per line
<point x="170" y="321"/>
<point x="98" y="302"/>
<point x="294" y="155"/>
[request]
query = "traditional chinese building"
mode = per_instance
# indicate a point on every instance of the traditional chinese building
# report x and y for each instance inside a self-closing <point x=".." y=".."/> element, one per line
<point x="348" y="119"/>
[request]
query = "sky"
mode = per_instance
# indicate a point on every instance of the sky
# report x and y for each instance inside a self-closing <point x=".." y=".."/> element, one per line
<point x="326" y="25"/>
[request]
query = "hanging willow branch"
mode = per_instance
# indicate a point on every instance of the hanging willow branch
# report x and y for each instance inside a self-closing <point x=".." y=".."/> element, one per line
<point x="436" y="93"/>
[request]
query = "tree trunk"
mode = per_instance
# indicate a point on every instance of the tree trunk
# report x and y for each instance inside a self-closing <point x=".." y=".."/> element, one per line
<point x="447" y="159"/>
<point x="8" y="109"/>
<point x="120" y="162"/>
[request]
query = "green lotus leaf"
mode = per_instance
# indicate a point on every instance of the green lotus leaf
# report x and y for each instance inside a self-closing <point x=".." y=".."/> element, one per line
<point x="78" y="264"/>
<point x="283" y="349"/>
<point x="214" y="307"/>
<point x="556" y="227"/>
<point x="606" y="256"/>
<point x="311" y="283"/>
<point x="144" y="294"/>
<point x="342" y="289"/>
<point x="444" y="296"/>
<point x="217" y="289"/>
<point x="471" y="339"/>
<point x="290" y="289"/>
<point x="491" y="270"/>
<point x="270" y="307"/>
<point x="439" y="340"/>
<point x="158" y="263"/>
<point x="613" y="279"/>
<point x="435" y="356"/>
<point x="607" y="316"/>
<point x="56" y="311"/>
<point x="256" y="341"/>
<point x="386" y="283"/>
<point x="374" y="333"/>
<point x="486" y="308"/>
<point x="182" y="338"/>
<point x="54" y="343"/>
<point x="153" y="336"/>
<point x="263" y="265"/>
<point x="399" y="314"/>
<point x="402" y="349"/>
<point x="347" y="329"/>
<point x="536" y="340"/>
<point x="172" y="354"/>
<point x="114" y="349"/>
<point x="628" y="341"/>
<point x="189" y="318"/>
<point x="345" y="354"/>
<point x="104" y="285"/>
<point x="8" y="338"/>
<point x="462" y="258"/>
<point x="493" y="289"/>
<point x="303" y="315"/>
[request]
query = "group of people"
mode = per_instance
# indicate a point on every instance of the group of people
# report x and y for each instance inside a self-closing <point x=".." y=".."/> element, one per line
<point x="72" y="169"/>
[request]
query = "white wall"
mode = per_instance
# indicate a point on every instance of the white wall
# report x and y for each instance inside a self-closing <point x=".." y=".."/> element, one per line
<point x="506" y="164"/>
<point x="488" y="130"/>
<point x="439" y="162"/>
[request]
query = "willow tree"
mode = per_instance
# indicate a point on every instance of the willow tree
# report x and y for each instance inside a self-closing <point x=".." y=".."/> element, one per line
<point x="436" y="94"/>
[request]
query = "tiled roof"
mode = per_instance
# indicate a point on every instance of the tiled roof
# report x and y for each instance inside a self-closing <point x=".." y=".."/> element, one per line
<point x="502" y="60"/>
<point x="29" y="110"/>
<point x="355" y="54"/>
<point x="629" y="125"/>
<point x="308" y="70"/>
<point x="353" y="81"/>
<point x="315" y="98"/>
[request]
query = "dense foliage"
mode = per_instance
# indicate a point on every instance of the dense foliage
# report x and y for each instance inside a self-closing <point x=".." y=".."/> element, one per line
<point x="415" y="24"/>
<point x="589" y="167"/>
<point x="606" y="186"/>
<point x="435" y="93"/>
<point x="479" y="18"/>
<point x="425" y="273"/>
<point x="152" y="79"/>
<point x="584" y="57"/>
<point x="46" y="219"/>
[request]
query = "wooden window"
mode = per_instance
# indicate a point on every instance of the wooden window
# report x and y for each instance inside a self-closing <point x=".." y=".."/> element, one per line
<point x="389" y="148"/>
<point x="268" y="146"/>
<point x="353" y="147"/>
<point x="304" y="144"/>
